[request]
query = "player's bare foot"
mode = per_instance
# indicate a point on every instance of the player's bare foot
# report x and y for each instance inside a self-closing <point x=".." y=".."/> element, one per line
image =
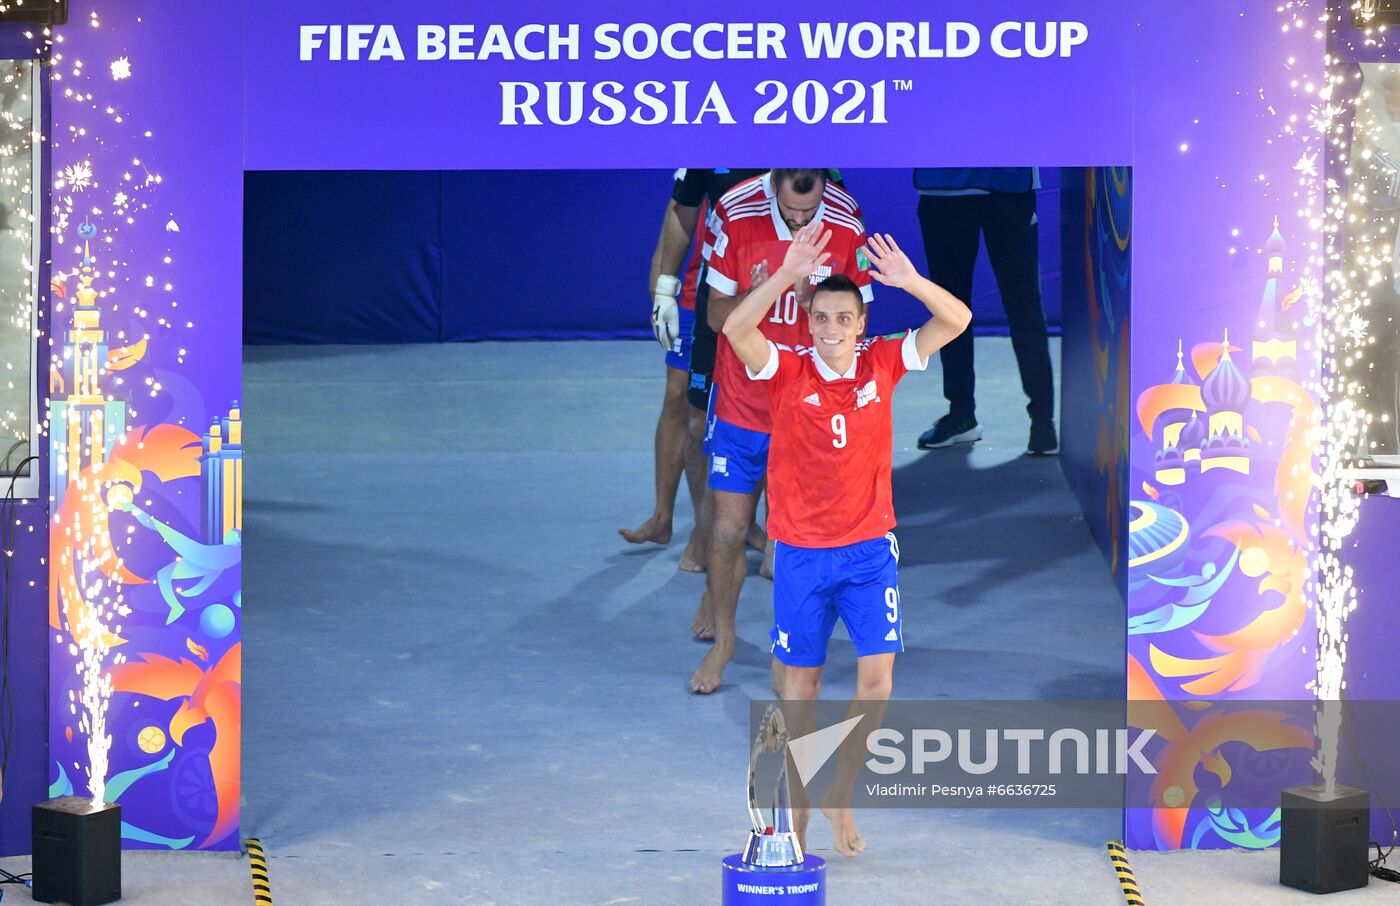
<point x="800" y="817"/>
<point x="758" y="538"/>
<point x="777" y="677"/>
<point x="710" y="673"/>
<point x="845" y="837"/>
<point x="765" y="569"/>
<point x="692" y="560"/>
<point x="703" y="626"/>
<point x="801" y="811"/>
<point x="657" y="530"/>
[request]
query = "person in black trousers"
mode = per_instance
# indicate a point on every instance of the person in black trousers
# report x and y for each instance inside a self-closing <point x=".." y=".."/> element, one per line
<point x="957" y="208"/>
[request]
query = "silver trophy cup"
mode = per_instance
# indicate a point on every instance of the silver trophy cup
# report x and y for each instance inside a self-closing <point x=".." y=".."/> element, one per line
<point x="772" y="843"/>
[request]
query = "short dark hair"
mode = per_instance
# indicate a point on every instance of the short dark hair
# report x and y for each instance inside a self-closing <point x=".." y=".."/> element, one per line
<point x="802" y="180"/>
<point x="840" y="283"/>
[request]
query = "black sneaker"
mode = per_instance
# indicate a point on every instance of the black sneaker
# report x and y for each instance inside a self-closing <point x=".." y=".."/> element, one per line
<point x="1044" y="441"/>
<point x="949" y="430"/>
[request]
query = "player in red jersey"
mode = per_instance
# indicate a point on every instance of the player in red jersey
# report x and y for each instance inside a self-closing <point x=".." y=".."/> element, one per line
<point x="829" y="477"/>
<point x="749" y="232"/>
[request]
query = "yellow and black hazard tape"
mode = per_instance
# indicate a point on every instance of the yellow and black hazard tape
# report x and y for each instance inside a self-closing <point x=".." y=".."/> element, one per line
<point x="257" y="861"/>
<point x="1119" y="857"/>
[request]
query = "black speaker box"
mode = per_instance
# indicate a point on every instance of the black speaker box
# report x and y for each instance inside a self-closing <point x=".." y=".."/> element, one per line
<point x="1324" y="845"/>
<point x="77" y="852"/>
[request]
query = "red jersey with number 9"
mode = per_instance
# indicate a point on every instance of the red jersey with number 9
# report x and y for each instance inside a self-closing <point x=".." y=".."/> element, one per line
<point x="746" y="239"/>
<point x="830" y="454"/>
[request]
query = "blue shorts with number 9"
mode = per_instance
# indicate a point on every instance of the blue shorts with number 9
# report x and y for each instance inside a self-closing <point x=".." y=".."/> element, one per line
<point x="813" y="586"/>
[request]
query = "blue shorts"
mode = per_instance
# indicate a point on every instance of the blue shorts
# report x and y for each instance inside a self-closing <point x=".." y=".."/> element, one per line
<point x="738" y="457"/>
<point x="678" y="356"/>
<point x="813" y="586"/>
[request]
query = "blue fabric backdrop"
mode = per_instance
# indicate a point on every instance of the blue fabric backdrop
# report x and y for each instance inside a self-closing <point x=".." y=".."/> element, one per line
<point x="430" y="256"/>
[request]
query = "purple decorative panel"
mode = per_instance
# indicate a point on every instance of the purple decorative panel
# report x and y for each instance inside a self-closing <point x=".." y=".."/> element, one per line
<point x="145" y="429"/>
<point x="1094" y="402"/>
<point x="1220" y="479"/>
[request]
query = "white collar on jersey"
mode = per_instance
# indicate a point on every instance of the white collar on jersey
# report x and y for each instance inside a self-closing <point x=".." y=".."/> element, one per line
<point x="779" y="224"/>
<point x="828" y="373"/>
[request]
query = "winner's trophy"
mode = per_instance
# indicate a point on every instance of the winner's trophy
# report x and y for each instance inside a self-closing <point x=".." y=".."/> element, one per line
<point x="771" y="844"/>
<point x="772" y="868"/>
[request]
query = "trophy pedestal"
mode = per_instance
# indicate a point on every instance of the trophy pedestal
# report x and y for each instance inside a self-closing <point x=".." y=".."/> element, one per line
<point x="751" y="885"/>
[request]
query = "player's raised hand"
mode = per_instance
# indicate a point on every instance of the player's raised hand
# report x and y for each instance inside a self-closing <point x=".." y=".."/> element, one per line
<point x="807" y="251"/>
<point x="890" y="265"/>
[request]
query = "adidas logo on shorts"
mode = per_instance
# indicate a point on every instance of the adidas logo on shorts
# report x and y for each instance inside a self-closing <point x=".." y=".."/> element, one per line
<point x="892" y="637"/>
<point x="813" y="399"/>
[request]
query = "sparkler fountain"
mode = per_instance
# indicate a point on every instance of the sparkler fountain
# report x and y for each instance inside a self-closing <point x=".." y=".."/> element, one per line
<point x="1325" y="827"/>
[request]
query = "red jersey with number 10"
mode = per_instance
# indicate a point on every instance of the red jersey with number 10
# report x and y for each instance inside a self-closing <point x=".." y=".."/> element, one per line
<point x="745" y="232"/>
<point x="830" y="454"/>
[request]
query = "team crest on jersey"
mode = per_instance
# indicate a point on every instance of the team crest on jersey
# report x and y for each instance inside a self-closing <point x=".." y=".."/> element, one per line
<point x="813" y="400"/>
<point x="819" y="274"/>
<point x="867" y="394"/>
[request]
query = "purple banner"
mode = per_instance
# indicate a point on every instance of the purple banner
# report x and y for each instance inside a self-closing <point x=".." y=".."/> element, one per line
<point x="363" y="85"/>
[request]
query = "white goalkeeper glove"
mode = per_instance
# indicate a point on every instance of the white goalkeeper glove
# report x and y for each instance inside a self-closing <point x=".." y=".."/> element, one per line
<point x="665" y="316"/>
